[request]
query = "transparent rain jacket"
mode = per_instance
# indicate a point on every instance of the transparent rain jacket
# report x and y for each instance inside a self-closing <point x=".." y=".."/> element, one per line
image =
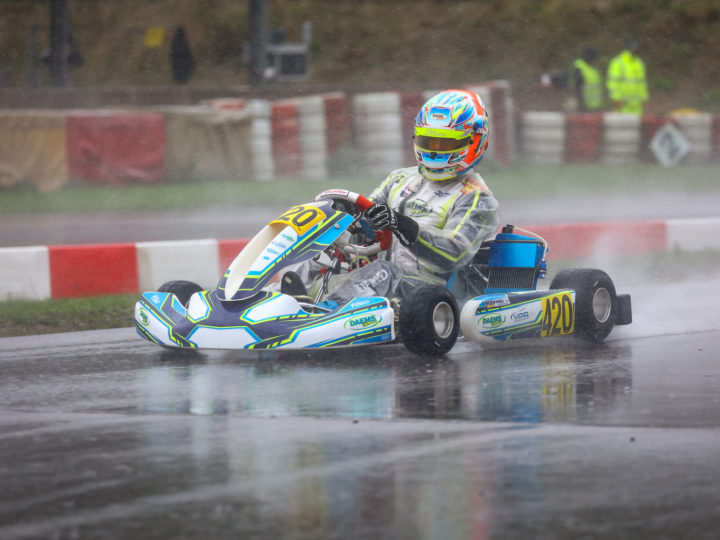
<point x="455" y="217"/>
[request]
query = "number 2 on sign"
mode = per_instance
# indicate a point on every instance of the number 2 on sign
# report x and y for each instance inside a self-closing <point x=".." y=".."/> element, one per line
<point x="558" y="315"/>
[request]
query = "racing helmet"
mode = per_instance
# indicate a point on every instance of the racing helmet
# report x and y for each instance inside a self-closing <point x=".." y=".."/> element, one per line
<point x="451" y="134"/>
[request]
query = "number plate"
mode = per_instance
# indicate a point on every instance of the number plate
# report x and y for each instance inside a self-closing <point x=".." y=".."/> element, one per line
<point x="558" y="315"/>
<point x="301" y="218"/>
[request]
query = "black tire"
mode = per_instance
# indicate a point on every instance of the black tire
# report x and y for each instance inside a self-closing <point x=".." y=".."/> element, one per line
<point x="595" y="301"/>
<point x="182" y="289"/>
<point x="429" y="321"/>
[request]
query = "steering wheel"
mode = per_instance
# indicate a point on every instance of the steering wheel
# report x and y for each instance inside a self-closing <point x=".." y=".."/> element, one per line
<point x="356" y="204"/>
<point x="347" y="201"/>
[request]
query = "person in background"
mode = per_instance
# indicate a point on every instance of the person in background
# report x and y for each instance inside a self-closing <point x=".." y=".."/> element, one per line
<point x="181" y="58"/>
<point x="439" y="210"/>
<point x="626" y="82"/>
<point x="588" y="81"/>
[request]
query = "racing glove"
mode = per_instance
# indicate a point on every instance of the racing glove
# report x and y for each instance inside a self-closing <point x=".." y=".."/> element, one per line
<point x="381" y="216"/>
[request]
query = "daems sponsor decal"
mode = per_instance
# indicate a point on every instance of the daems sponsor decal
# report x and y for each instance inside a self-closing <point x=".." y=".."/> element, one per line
<point x="144" y="317"/>
<point x="367" y="321"/>
<point x="491" y="321"/>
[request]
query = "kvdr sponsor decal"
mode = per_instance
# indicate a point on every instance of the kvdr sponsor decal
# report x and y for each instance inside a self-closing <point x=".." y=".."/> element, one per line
<point x="491" y="321"/>
<point x="520" y="316"/>
<point x="367" y="321"/>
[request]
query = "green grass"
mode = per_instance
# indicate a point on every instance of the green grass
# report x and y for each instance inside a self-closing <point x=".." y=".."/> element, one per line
<point x="518" y="180"/>
<point x="31" y="317"/>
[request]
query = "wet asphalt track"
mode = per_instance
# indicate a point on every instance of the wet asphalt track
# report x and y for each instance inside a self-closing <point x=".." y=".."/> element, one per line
<point x="103" y="435"/>
<point x="220" y="223"/>
<point x="107" y="436"/>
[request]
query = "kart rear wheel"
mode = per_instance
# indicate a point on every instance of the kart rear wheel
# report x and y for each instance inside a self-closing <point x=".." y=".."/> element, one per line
<point x="595" y="301"/>
<point x="429" y="321"/>
<point x="182" y="289"/>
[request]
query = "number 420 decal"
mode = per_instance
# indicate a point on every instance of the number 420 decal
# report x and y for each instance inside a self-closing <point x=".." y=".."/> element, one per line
<point x="558" y="315"/>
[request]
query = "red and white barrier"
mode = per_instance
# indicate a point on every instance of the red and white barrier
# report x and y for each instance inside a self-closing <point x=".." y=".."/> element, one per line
<point x="260" y="135"/>
<point x="614" y="138"/>
<point x="106" y="147"/>
<point x="25" y="273"/>
<point x="158" y="262"/>
<point x="42" y="272"/>
<point x="305" y="131"/>
<point x="379" y="131"/>
<point x="228" y="138"/>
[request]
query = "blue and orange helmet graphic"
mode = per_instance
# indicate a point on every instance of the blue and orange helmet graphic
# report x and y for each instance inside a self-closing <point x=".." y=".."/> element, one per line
<point x="451" y="134"/>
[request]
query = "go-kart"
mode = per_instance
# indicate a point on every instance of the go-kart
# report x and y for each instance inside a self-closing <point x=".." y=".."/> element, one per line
<point x="244" y="312"/>
<point x="498" y="292"/>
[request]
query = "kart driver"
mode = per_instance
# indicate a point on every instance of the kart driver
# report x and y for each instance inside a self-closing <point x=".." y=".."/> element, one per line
<point x="440" y="211"/>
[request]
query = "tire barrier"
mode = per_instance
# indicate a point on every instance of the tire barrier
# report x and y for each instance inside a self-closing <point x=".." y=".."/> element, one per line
<point x="43" y="272"/>
<point x="698" y="128"/>
<point x="378" y="130"/>
<point x="218" y="142"/>
<point x="109" y="148"/>
<point x="613" y="138"/>
<point x="33" y="149"/>
<point x="227" y="138"/>
<point x="583" y="133"/>
<point x="543" y="136"/>
<point x="498" y="100"/>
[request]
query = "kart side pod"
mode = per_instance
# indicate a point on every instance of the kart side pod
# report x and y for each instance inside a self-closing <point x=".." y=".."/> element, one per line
<point x="581" y="301"/>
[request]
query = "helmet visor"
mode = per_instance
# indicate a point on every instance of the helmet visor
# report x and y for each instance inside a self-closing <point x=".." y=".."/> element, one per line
<point x="441" y="144"/>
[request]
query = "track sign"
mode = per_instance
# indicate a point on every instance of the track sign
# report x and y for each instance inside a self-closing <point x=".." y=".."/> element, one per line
<point x="669" y="145"/>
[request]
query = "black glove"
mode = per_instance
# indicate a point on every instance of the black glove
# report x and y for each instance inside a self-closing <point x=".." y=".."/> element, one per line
<point x="381" y="216"/>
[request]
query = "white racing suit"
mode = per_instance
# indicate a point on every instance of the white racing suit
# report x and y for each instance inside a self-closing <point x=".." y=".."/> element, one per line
<point x="454" y="217"/>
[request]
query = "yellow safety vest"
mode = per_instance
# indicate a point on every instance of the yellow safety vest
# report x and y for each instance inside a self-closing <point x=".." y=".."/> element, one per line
<point x="626" y="82"/>
<point x="592" y="85"/>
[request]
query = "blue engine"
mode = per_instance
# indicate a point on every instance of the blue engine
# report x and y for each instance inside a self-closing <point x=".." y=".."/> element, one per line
<point x="515" y="262"/>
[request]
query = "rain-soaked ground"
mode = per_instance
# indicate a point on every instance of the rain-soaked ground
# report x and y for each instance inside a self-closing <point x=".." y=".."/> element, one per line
<point x="107" y="436"/>
<point x="103" y="435"/>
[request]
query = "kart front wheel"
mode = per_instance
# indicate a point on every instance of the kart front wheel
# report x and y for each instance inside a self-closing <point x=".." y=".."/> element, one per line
<point x="182" y="289"/>
<point x="596" y="302"/>
<point x="429" y="321"/>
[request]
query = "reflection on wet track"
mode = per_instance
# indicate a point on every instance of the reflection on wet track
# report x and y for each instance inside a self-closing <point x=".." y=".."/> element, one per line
<point x="105" y="435"/>
<point x="540" y="384"/>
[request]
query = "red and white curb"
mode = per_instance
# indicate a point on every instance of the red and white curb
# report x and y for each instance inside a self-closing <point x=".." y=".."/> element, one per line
<point x="42" y="272"/>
